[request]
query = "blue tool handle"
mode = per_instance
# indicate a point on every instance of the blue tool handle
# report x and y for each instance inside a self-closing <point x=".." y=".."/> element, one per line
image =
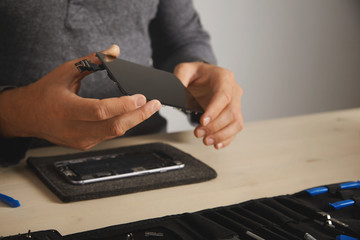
<point x="320" y="190"/>
<point x="350" y="185"/>
<point x="317" y="190"/>
<point x="9" y="201"/>
<point x="342" y="204"/>
<point x="344" y="237"/>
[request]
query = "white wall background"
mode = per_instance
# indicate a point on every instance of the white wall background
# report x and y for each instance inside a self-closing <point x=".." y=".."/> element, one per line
<point x="291" y="57"/>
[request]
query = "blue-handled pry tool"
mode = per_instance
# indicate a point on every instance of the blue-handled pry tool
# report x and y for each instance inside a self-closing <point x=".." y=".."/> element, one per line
<point x="319" y="190"/>
<point x="9" y="201"/>
<point x="342" y="204"/>
<point x="344" y="237"/>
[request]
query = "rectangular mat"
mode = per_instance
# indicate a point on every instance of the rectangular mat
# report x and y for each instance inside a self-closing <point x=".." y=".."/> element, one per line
<point x="194" y="171"/>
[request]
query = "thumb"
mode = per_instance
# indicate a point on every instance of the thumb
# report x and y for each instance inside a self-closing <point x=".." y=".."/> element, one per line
<point x="113" y="51"/>
<point x="186" y="72"/>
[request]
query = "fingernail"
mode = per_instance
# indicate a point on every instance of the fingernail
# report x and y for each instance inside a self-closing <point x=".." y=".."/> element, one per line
<point x="200" y="133"/>
<point x="206" y="121"/>
<point x="219" y="145"/>
<point x="140" y="101"/>
<point x="209" y="141"/>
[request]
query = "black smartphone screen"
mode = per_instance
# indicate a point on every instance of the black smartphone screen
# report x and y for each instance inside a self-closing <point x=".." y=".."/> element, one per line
<point x="133" y="78"/>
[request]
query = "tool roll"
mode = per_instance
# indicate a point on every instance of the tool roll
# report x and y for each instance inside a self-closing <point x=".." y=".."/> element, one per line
<point x="324" y="212"/>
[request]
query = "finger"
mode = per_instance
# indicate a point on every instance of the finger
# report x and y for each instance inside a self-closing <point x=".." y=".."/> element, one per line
<point x="113" y="51"/>
<point x="87" y="109"/>
<point x="186" y="72"/>
<point x="200" y="131"/>
<point x="218" y="102"/>
<point x="119" y="125"/>
<point x="224" y="119"/>
<point x="223" y="136"/>
<point x="223" y="144"/>
<point x="85" y="134"/>
<point x="232" y="113"/>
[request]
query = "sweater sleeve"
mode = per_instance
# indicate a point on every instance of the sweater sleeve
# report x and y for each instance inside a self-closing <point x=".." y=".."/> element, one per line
<point x="178" y="36"/>
<point x="12" y="150"/>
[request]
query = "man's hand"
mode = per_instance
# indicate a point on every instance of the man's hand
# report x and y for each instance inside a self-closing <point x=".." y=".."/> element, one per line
<point x="51" y="109"/>
<point x="218" y="93"/>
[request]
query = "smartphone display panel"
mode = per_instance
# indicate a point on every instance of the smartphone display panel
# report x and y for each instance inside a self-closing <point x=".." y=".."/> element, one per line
<point x="133" y="78"/>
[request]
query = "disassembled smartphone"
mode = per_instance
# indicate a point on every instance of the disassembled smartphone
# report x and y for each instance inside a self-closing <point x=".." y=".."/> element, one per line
<point x="132" y="78"/>
<point x="118" y="165"/>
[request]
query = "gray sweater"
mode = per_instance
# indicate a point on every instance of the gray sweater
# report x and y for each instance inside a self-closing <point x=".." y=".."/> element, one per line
<point x="39" y="35"/>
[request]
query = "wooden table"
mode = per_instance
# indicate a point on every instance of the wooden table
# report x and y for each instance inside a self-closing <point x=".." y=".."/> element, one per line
<point x="268" y="158"/>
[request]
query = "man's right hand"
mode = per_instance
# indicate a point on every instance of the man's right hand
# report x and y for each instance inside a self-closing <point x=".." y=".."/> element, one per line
<point x="51" y="109"/>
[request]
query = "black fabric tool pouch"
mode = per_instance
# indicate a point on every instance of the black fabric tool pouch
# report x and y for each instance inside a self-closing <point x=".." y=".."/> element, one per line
<point x="341" y="202"/>
<point x="177" y="227"/>
<point x="297" y="216"/>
